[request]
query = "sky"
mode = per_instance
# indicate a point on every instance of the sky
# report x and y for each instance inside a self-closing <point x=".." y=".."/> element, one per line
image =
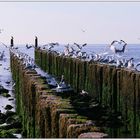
<point x="68" y="22"/>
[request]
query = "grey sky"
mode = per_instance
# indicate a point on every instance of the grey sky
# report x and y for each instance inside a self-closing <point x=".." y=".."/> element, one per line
<point x="69" y="22"/>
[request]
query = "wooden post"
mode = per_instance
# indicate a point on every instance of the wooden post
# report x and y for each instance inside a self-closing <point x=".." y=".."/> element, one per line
<point x="12" y="42"/>
<point x="36" y="42"/>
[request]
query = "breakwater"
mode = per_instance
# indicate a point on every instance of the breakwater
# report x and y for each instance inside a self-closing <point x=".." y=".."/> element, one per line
<point x="115" y="88"/>
<point x="43" y="113"/>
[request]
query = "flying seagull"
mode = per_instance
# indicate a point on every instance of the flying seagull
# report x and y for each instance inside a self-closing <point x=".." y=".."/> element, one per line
<point x="114" y="49"/>
<point x="4" y="44"/>
<point x="123" y="48"/>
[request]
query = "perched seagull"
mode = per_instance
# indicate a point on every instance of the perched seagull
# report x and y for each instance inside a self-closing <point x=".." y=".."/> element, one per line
<point x="97" y="57"/>
<point x="83" y="92"/>
<point x="62" y="84"/>
<point x="50" y="48"/>
<point x="66" y="49"/>
<point x="119" y="63"/>
<point x="130" y="64"/>
<point x="72" y="50"/>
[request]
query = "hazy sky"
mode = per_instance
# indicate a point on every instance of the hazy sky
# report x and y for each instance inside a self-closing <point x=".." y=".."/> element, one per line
<point x="68" y="22"/>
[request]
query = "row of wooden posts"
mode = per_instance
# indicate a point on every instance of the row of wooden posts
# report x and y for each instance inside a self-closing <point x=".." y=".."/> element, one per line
<point x="116" y="88"/>
<point x="44" y="114"/>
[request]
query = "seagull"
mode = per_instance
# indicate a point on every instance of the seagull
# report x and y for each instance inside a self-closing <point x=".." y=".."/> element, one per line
<point x="72" y="50"/>
<point x="28" y="47"/>
<point x="84" y="44"/>
<point x="50" y="48"/>
<point x="62" y="84"/>
<point x="123" y="48"/>
<point x="114" y="49"/>
<point x="129" y="64"/>
<point x="115" y="41"/>
<point x="122" y="41"/>
<point x="4" y="44"/>
<point x="2" y="55"/>
<point x="80" y="46"/>
<point x="66" y="49"/>
<point x="83" y="93"/>
<point x="119" y="64"/>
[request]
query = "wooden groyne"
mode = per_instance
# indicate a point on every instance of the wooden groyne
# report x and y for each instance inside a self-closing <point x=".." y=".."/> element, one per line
<point x="115" y="88"/>
<point x="43" y="113"/>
